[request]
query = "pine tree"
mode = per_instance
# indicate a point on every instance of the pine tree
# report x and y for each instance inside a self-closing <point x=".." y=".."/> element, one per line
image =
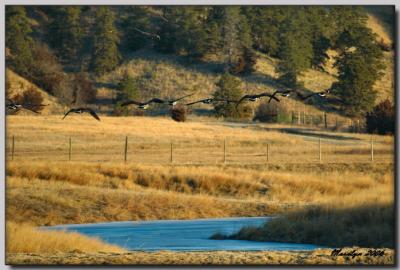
<point x="360" y="65"/>
<point x="229" y="89"/>
<point x="296" y="51"/>
<point x="128" y="88"/>
<point x="65" y="32"/>
<point x="105" y="55"/>
<point x="18" y="40"/>
<point x="137" y="20"/>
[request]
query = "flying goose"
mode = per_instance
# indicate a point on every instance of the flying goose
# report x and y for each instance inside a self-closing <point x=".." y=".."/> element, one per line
<point x="285" y="93"/>
<point x="172" y="102"/>
<point x="11" y="105"/>
<point x="256" y="97"/>
<point x="147" y="33"/>
<point x="143" y="105"/>
<point x="82" y="110"/>
<point x="210" y="100"/>
<point x="321" y="94"/>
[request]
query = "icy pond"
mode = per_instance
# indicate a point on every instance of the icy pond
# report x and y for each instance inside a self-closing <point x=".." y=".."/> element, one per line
<point x="179" y="235"/>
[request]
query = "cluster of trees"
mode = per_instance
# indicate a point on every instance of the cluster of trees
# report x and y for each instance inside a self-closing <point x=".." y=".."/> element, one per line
<point x="82" y="39"/>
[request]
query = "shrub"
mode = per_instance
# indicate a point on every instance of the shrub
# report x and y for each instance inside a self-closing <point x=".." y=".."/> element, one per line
<point x="127" y="87"/>
<point x="179" y="113"/>
<point x="382" y="118"/>
<point x="84" y="91"/>
<point x="31" y="98"/>
<point x="273" y="112"/>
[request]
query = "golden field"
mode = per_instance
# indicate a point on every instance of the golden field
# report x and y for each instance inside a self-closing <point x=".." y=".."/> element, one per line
<point x="44" y="188"/>
<point x="198" y="141"/>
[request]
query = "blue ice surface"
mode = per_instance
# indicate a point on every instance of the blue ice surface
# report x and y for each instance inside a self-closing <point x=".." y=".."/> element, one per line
<point x="179" y="235"/>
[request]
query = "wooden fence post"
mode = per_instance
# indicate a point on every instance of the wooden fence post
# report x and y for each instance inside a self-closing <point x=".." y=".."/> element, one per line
<point x="69" y="149"/>
<point x="372" y="149"/>
<point x="326" y="120"/>
<point x="320" y="152"/>
<point x="13" y="147"/>
<point x="224" y="150"/>
<point x="126" y="149"/>
<point x="267" y="152"/>
<point x="171" y="157"/>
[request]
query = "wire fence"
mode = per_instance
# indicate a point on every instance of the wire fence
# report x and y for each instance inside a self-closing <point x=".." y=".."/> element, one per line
<point x="226" y="151"/>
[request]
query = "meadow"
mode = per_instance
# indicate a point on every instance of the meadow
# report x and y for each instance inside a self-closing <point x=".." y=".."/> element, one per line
<point x="44" y="188"/>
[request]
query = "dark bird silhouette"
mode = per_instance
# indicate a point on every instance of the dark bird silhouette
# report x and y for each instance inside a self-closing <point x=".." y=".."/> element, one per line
<point x="82" y="110"/>
<point x="211" y="100"/>
<point x="321" y="94"/>
<point x="172" y="102"/>
<point x="285" y="93"/>
<point x="11" y="105"/>
<point x="143" y="105"/>
<point x="147" y="33"/>
<point x="256" y="97"/>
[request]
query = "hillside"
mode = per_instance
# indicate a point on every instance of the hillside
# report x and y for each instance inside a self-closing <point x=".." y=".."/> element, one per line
<point x="18" y="85"/>
<point x="167" y="75"/>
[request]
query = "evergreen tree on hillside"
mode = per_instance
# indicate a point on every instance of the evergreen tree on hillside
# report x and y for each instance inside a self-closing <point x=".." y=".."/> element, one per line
<point x="213" y="29"/>
<point x="105" y="56"/>
<point x="229" y="89"/>
<point x="296" y="51"/>
<point x="360" y="65"/>
<point x="168" y="31"/>
<point x="18" y="40"/>
<point x="137" y="20"/>
<point x="65" y="32"/>
<point x="128" y="88"/>
<point x="265" y="22"/>
<point x="236" y="38"/>
<point x="321" y="31"/>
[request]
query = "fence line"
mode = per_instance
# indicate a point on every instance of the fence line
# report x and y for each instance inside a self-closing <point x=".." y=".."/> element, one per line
<point x="241" y="151"/>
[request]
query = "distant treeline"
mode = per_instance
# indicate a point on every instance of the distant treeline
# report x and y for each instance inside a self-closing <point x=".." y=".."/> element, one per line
<point x="61" y="47"/>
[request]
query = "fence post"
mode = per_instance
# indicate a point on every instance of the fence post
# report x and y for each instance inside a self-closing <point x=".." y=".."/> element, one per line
<point x="320" y="152"/>
<point x="267" y="152"/>
<point x="70" y="149"/>
<point x="325" y="120"/>
<point x="224" y="150"/>
<point x="126" y="149"/>
<point x="372" y="149"/>
<point x="13" y="147"/>
<point x="171" y="157"/>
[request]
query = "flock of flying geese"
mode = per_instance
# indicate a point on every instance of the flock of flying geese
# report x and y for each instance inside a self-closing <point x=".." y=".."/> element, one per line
<point x="11" y="105"/>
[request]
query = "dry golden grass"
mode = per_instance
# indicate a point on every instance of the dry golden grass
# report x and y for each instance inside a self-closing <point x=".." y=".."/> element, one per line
<point x="194" y="142"/>
<point x="319" y="257"/>
<point x="362" y="215"/>
<point x="23" y="238"/>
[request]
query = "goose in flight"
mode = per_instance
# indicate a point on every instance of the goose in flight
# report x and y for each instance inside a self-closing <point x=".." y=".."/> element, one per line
<point x="143" y="105"/>
<point x="153" y="35"/>
<point x="255" y="98"/>
<point x="321" y="94"/>
<point x="210" y="100"/>
<point x="82" y="110"/>
<point x="11" y="105"/>
<point x="285" y="93"/>
<point x="173" y="102"/>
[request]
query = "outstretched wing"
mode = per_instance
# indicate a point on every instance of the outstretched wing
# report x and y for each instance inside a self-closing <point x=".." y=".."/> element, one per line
<point x="191" y="103"/>
<point x="302" y="97"/>
<point x="30" y="109"/>
<point x="269" y="95"/>
<point x="92" y="113"/>
<point x="65" y="115"/>
<point x="129" y="102"/>
<point x="183" y="97"/>
<point x="9" y="102"/>
<point x="243" y="98"/>
<point x="155" y="100"/>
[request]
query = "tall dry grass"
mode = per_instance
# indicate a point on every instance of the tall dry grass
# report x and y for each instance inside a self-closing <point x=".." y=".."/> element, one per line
<point x="23" y="238"/>
<point x="363" y="215"/>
